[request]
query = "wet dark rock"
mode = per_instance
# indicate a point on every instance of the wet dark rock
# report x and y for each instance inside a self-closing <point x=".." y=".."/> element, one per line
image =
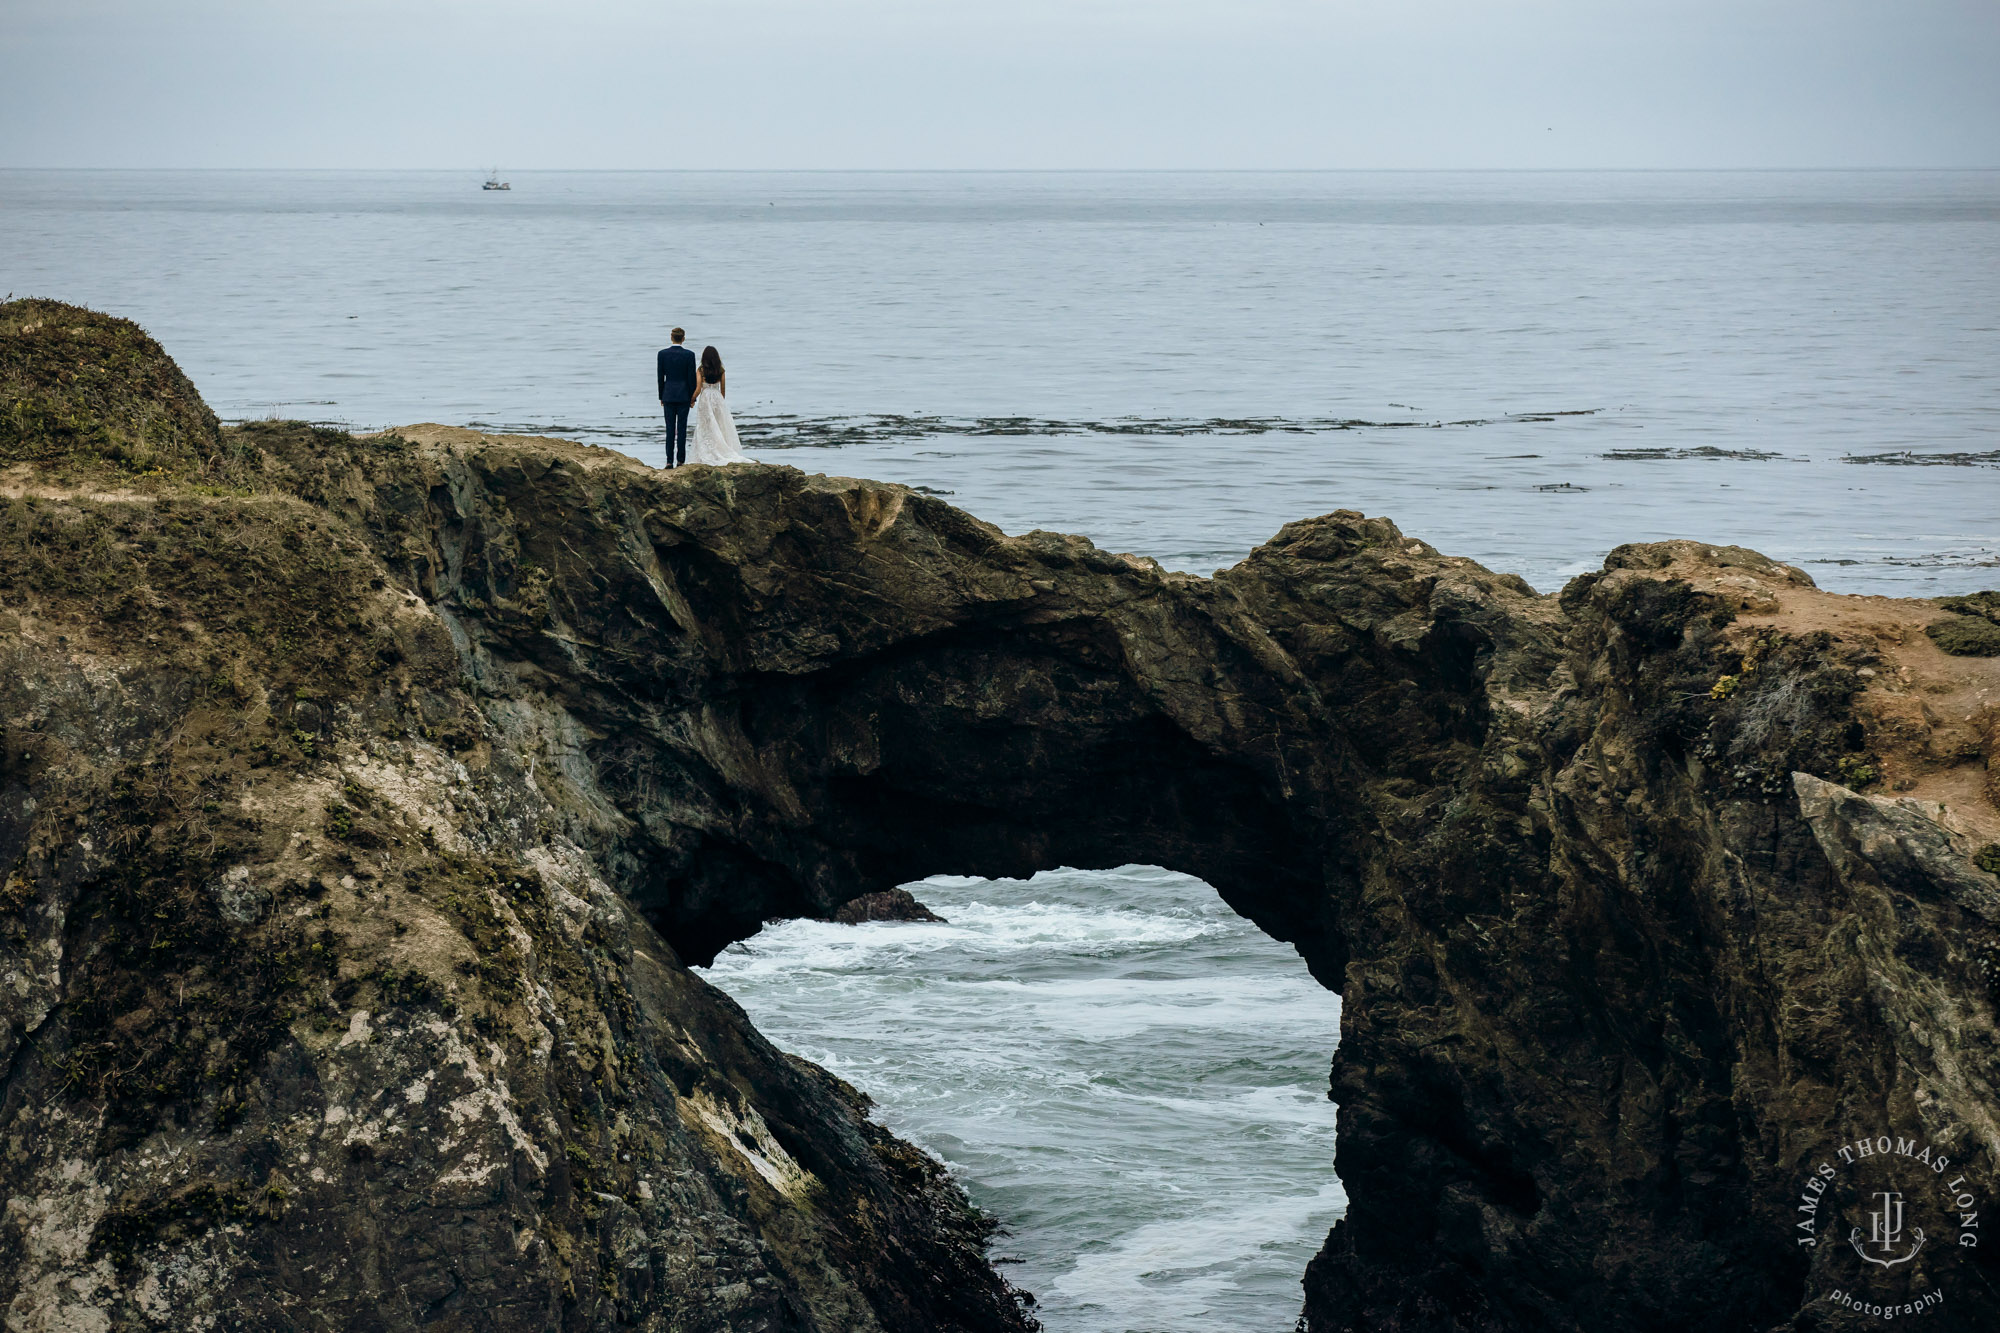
<point x="1623" y="950"/>
<point x="887" y="905"/>
<point x="1911" y="458"/>
<point x="1705" y="451"/>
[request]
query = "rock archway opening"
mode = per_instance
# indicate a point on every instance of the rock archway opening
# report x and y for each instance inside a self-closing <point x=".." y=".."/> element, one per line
<point x="1128" y="1075"/>
<point x="995" y="750"/>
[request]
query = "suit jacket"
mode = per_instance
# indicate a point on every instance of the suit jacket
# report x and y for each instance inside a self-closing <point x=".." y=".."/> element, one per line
<point x="676" y="375"/>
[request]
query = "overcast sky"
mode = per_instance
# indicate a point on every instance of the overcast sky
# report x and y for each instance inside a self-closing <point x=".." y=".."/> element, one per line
<point x="974" y="83"/>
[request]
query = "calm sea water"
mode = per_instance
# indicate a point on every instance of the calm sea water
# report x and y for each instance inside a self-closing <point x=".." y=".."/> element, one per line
<point x="1054" y="350"/>
<point x="1527" y="369"/>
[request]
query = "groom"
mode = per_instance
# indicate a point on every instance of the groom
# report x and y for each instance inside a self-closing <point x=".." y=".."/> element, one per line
<point x="676" y="375"/>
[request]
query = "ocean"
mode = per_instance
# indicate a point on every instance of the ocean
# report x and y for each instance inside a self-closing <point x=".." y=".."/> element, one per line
<point x="1130" y="1076"/>
<point x="1523" y="368"/>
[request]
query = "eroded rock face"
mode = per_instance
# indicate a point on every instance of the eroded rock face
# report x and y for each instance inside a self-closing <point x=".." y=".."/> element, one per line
<point x="423" y="762"/>
<point x="314" y="1011"/>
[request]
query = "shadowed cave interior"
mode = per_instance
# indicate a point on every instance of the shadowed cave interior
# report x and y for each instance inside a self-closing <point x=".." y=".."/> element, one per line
<point x="994" y="753"/>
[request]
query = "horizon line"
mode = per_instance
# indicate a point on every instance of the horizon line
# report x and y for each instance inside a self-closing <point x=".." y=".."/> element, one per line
<point x="1047" y="171"/>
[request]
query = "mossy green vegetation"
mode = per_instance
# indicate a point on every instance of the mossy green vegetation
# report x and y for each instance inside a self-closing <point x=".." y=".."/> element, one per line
<point x="1974" y="629"/>
<point x="1966" y="636"/>
<point x="1857" y="771"/>
<point x="225" y="584"/>
<point x="1985" y="604"/>
<point x="85" y="396"/>
<point x="173" y="1005"/>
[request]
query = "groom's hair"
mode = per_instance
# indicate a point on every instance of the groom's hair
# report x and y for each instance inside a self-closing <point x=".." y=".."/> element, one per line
<point x="680" y="335"/>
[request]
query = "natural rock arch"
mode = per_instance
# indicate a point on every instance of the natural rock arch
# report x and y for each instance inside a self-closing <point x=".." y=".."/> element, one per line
<point x="1609" y="983"/>
<point x="1512" y="830"/>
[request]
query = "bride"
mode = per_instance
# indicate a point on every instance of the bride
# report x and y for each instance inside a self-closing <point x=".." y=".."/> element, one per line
<point x="712" y="437"/>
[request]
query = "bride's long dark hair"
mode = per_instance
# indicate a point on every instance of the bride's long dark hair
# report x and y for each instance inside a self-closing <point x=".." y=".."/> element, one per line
<point x="711" y="370"/>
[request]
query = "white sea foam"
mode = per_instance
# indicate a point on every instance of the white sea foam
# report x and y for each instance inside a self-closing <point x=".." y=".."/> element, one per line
<point x="1129" y="1075"/>
<point x="1181" y="1272"/>
<point x="1041" y="929"/>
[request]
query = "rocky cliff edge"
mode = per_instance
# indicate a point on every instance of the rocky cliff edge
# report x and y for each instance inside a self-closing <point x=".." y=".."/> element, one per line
<point x="364" y="801"/>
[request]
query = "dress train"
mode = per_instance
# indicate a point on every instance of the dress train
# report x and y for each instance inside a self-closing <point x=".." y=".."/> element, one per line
<point x="712" y="431"/>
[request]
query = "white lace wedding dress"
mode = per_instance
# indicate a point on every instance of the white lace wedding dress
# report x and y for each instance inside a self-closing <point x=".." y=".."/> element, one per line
<point x="712" y="431"/>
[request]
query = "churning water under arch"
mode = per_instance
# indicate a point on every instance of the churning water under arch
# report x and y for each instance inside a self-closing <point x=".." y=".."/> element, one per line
<point x="1128" y="1074"/>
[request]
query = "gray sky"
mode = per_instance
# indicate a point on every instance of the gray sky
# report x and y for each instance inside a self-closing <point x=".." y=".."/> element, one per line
<point x="971" y="83"/>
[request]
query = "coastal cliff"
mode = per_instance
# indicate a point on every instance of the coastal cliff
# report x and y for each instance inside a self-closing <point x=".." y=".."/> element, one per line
<point x="366" y="799"/>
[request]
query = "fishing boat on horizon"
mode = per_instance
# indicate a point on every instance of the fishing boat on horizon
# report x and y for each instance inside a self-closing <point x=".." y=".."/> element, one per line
<point x="493" y="181"/>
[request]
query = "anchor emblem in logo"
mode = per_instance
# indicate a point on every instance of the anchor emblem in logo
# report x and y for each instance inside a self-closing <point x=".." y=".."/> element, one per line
<point x="1885" y="1232"/>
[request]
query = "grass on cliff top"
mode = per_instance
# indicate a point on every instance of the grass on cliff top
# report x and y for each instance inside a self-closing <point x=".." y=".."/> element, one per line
<point x="141" y="521"/>
<point x="89" y="401"/>
<point x="199" y="585"/>
<point x="85" y="395"/>
<point x="1974" y="631"/>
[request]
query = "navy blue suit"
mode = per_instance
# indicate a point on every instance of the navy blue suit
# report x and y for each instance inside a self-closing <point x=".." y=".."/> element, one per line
<point x="676" y="375"/>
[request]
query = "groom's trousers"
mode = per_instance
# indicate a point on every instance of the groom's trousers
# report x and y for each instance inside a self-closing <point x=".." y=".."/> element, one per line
<point x="677" y="433"/>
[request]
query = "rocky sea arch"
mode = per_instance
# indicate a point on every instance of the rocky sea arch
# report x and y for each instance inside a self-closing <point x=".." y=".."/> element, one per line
<point x="485" y="739"/>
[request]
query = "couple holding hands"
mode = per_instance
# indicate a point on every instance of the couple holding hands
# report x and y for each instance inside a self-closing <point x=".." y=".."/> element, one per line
<point x="694" y="389"/>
